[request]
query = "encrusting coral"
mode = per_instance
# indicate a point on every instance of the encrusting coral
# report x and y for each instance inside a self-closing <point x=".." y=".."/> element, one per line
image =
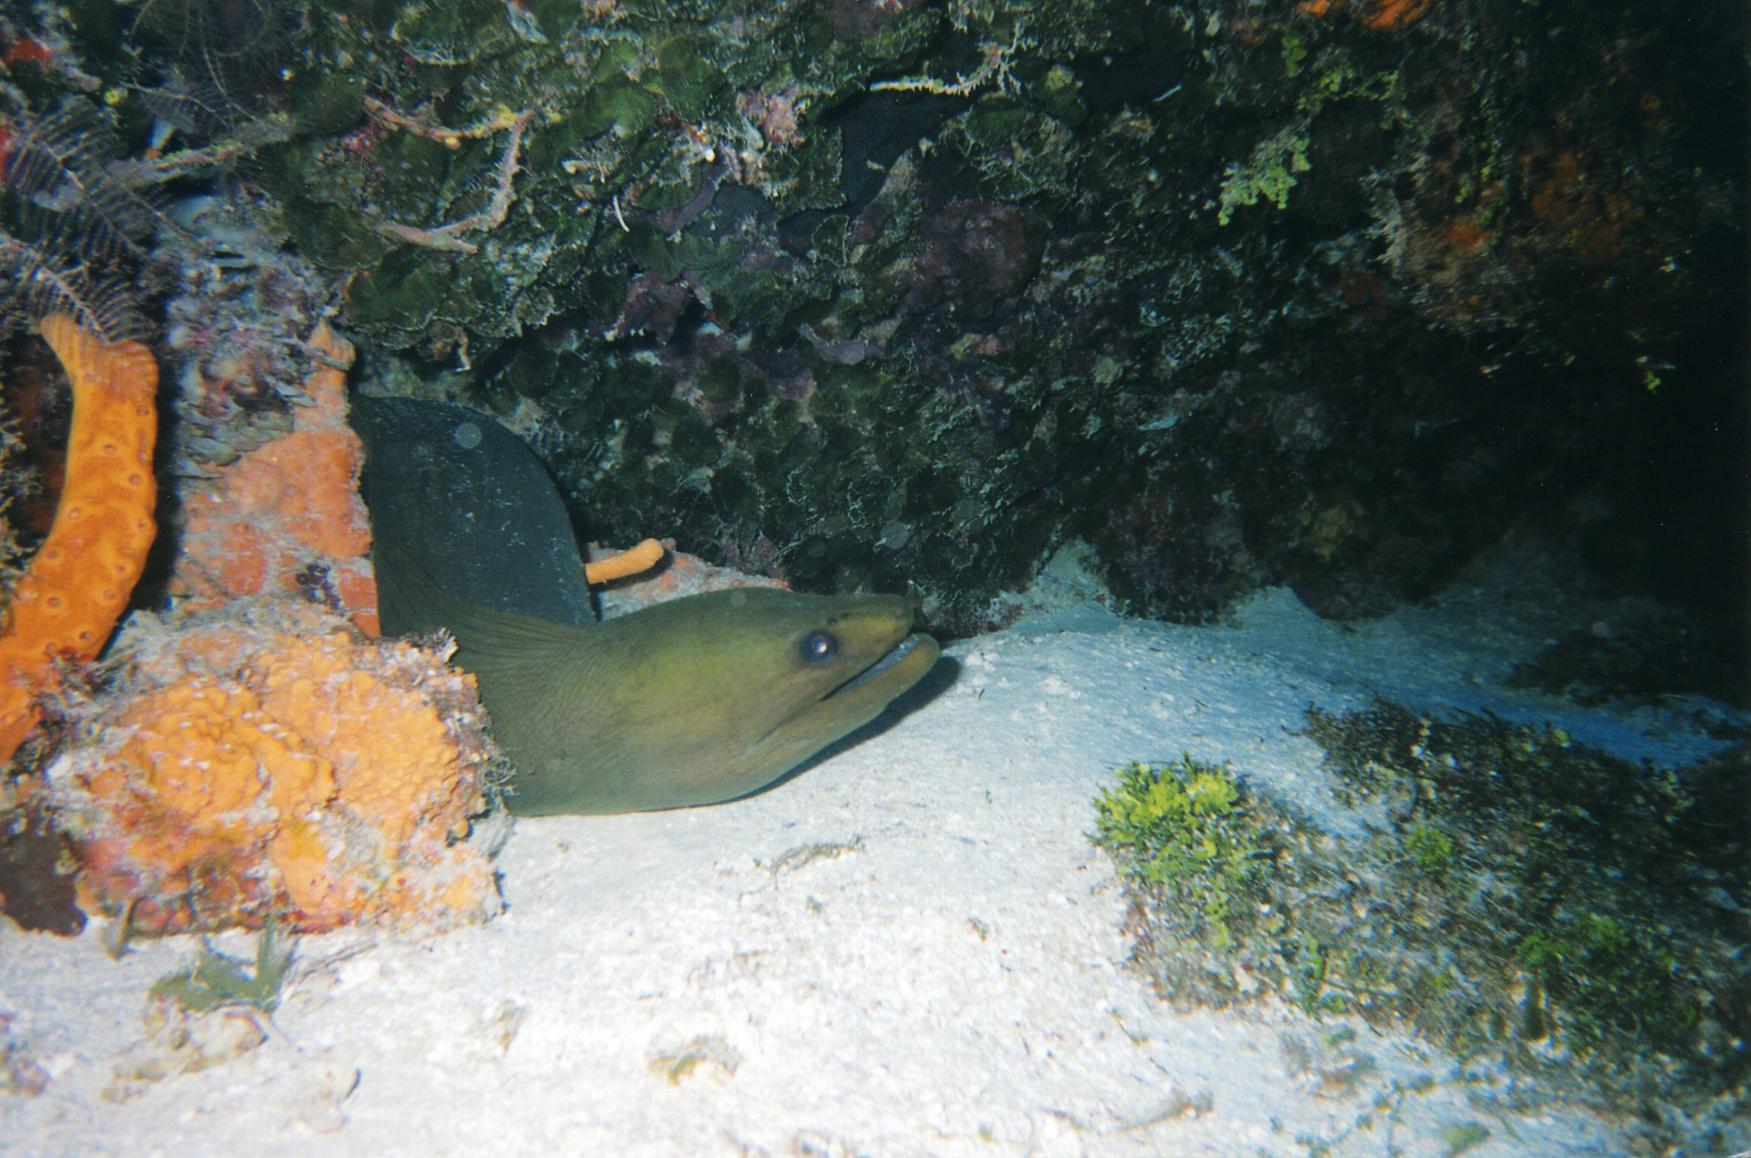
<point x="274" y="764"/>
<point x="286" y="516"/>
<point x="79" y="581"/>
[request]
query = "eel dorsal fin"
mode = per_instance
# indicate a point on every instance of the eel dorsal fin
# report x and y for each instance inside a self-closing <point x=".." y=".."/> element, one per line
<point x="458" y="499"/>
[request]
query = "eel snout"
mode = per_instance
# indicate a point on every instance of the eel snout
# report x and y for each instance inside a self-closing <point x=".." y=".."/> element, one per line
<point x="894" y="656"/>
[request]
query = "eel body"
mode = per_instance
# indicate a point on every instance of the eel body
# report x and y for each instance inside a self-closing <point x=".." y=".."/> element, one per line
<point x="694" y="701"/>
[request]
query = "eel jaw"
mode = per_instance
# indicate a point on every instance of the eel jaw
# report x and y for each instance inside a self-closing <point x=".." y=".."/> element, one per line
<point x="892" y="658"/>
<point x="860" y="699"/>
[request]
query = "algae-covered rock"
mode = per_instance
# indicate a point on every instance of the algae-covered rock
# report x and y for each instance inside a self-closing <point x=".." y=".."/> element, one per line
<point x="1240" y="297"/>
<point x="1512" y="895"/>
<point x="1323" y="294"/>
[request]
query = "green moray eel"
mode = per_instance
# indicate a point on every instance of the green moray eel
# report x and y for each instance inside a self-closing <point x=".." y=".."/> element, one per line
<point x="693" y="701"/>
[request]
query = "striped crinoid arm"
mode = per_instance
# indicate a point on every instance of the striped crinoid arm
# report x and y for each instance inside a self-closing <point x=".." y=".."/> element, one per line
<point x="78" y="583"/>
<point x="78" y="220"/>
<point x="47" y="277"/>
<point x="67" y="171"/>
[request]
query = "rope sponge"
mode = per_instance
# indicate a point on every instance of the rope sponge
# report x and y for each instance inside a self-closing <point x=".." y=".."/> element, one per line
<point x="77" y="586"/>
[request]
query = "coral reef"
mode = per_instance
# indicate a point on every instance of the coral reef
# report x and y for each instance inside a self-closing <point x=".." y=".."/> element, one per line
<point x="285" y="516"/>
<point x="275" y="765"/>
<point x="246" y="756"/>
<point x="1327" y="294"/>
<point x="1237" y="294"/>
<point x="238" y="335"/>
<point x="914" y="293"/>
<point x="17" y="484"/>
<point x="1648" y="657"/>
<point x="78" y="583"/>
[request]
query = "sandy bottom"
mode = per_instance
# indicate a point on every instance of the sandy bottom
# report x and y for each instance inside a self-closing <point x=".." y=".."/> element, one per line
<point x="909" y="948"/>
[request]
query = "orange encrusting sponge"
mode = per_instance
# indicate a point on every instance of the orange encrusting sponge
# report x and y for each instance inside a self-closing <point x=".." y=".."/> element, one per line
<point x="77" y="585"/>
<point x="288" y="770"/>
<point x="287" y="509"/>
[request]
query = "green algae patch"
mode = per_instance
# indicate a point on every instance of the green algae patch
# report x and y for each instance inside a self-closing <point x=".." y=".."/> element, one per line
<point x="1515" y="896"/>
<point x="1190" y="837"/>
<point x="214" y="980"/>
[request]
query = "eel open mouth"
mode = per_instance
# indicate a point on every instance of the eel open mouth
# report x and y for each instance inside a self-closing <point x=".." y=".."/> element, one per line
<point x="855" y="702"/>
<point x="874" y="671"/>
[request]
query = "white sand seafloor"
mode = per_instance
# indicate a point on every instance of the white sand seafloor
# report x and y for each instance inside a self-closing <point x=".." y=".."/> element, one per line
<point x="909" y="948"/>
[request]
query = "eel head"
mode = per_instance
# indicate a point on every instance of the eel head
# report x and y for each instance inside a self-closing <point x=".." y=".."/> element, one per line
<point x="693" y="701"/>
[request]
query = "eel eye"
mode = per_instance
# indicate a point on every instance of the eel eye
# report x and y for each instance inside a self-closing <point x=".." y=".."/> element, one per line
<point x="819" y="647"/>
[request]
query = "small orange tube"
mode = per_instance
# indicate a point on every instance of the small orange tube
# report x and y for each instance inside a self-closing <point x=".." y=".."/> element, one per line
<point x="634" y="562"/>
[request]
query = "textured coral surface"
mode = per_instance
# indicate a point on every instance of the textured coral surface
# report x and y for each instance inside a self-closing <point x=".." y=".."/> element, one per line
<point x="279" y="765"/>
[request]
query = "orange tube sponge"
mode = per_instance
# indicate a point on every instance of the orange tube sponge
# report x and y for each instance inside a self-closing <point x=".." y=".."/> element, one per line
<point x="1395" y="13"/>
<point x="78" y="584"/>
<point x="636" y="561"/>
<point x="291" y="770"/>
